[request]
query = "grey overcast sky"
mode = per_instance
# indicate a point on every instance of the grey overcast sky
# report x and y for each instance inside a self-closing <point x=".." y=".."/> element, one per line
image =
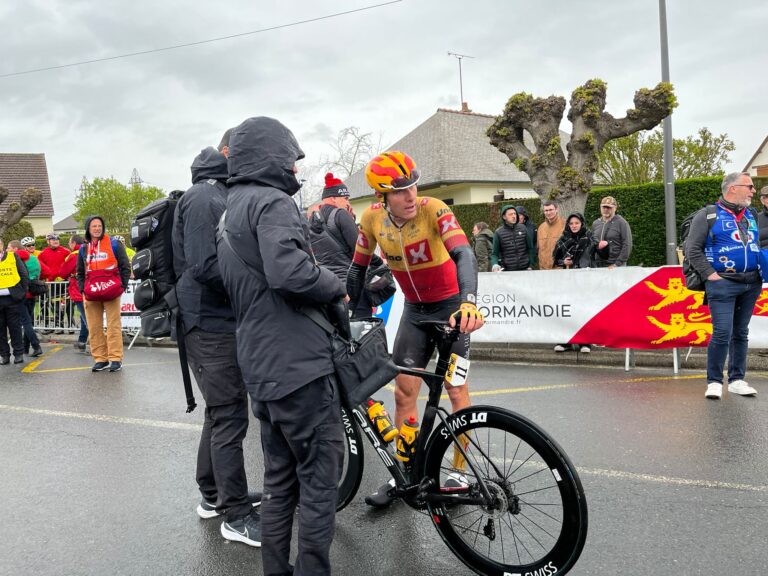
<point x="385" y="70"/>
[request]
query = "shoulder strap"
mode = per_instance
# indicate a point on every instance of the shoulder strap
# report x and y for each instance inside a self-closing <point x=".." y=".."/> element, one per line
<point x="332" y="229"/>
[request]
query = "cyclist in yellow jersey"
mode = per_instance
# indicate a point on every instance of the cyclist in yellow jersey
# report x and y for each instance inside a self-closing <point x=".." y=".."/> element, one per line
<point x="435" y="267"/>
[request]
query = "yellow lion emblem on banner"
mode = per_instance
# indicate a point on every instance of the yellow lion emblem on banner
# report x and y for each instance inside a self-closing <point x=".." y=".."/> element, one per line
<point x="680" y="327"/>
<point x="675" y="292"/>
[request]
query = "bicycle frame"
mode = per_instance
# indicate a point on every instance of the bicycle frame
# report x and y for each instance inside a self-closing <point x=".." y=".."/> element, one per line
<point x="409" y="480"/>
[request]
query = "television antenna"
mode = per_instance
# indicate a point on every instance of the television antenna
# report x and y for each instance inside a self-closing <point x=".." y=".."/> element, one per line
<point x="460" y="57"/>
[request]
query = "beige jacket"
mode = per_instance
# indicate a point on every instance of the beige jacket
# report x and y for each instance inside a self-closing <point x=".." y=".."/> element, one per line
<point x="547" y="238"/>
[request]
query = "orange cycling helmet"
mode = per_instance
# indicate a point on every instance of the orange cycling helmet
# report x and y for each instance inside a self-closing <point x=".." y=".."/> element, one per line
<point x="391" y="170"/>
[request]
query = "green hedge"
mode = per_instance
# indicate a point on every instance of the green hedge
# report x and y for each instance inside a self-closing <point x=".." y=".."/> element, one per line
<point x="21" y="229"/>
<point x="642" y="206"/>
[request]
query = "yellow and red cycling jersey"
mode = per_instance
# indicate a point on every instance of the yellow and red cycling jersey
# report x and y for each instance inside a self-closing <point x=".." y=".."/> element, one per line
<point x="417" y="252"/>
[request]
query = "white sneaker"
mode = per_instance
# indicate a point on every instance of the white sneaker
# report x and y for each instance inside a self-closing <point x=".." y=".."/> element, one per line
<point x="714" y="391"/>
<point x="559" y="348"/>
<point x="455" y="481"/>
<point x="586" y="349"/>
<point x="741" y="388"/>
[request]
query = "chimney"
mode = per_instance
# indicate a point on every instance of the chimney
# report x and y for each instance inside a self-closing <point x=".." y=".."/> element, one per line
<point x="465" y="108"/>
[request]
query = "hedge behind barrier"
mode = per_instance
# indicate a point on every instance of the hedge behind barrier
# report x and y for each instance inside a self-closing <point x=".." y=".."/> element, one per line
<point x="642" y="206"/>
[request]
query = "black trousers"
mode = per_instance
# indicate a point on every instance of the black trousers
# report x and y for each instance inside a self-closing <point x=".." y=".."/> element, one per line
<point x="220" y="464"/>
<point x="302" y="440"/>
<point x="10" y="324"/>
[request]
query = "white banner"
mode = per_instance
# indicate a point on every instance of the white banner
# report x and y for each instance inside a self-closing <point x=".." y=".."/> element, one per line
<point x="628" y="307"/>
<point x="129" y="314"/>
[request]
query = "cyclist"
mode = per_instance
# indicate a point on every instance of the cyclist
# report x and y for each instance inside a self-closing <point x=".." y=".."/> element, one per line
<point x="435" y="267"/>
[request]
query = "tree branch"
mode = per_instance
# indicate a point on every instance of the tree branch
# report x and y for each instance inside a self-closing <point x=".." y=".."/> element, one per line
<point x="651" y="107"/>
<point x="30" y="198"/>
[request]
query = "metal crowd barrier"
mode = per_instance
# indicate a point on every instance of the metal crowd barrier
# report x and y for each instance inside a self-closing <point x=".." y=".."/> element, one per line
<point x="55" y="311"/>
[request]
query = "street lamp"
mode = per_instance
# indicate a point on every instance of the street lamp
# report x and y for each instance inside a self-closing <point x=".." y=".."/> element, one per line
<point x="669" y="176"/>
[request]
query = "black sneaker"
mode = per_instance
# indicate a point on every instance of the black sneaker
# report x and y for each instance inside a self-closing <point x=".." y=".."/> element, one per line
<point x="5" y="360"/>
<point x="246" y="530"/>
<point x="115" y="366"/>
<point x="207" y="509"/>
<point x="80" y="345"/>
<point x="36" y="352"/>
<point x="18" y="359"/>
<point x="100" y="366"/>
<point x="382" y="497"/>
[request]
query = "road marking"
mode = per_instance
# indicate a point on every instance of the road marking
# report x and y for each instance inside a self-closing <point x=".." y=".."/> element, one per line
<point x="35" y="363"/>
<point x="31" y="368"/>
<point x="670" y="480"/>
<point x="600" y="472"/>
<point x="76" y="368"/>
<point x="103" y="418"/>
<point x="543" y="387"/>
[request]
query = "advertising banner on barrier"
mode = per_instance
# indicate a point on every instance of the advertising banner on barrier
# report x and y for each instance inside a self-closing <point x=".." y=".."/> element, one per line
<point x="129" y="315"/>
<point x="630" y="307"/>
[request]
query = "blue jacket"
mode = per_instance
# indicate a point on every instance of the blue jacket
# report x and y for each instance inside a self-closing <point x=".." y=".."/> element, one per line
<point x="726" y="249"/>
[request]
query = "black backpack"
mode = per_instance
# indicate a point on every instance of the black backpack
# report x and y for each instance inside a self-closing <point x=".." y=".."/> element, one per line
<point x="693" y="280"/>
<point x="151" y="233"/>
<point x="155" y="296"/>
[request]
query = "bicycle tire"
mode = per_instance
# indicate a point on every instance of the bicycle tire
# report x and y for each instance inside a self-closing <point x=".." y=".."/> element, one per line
<point x="354" y="460"/>
<point x="534" y="470"/>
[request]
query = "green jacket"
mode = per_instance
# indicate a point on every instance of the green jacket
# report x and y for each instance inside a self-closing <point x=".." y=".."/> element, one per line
<point x="33" y="267"/>
<point x="483" y="244"/>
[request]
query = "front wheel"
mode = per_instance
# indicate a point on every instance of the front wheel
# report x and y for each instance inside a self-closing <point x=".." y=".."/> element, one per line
<point x="352" y="469"/>
<point x="536" y="520"/>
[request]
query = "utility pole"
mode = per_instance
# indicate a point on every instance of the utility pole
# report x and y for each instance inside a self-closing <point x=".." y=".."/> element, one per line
<point x="460" y="57"/>
<point x="669" y="176"/>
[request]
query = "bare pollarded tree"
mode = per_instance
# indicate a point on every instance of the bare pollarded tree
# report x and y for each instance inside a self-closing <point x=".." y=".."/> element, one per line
<point x="553" y="176"/>
<point x="15" y="211"/>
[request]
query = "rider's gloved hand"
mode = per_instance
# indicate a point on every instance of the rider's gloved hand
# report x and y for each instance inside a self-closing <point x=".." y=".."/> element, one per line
<point x="469" y="318"/>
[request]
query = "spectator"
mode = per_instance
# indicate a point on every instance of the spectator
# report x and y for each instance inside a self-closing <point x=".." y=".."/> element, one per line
<point x="102" y="253"/>
<point x="69" y="273"/>
<point x="732" y="282"/>
<point x="208" y="326"/>
<point x="51" y="259"/>
<point x="27" y="307"/>
<point x="574" y="250"/>
<point x="14" y="282"/>
<point x="130" y="252"/>
<point x="333" y="235"/>
<point x="265" y="259"/>
<point x="612" y="236"/>
<point x="482" y="241"/>
<point x="512" y="248"/>
<point x="530" y="227"/>
<point x="550" y="232"/>
<point x="762" y="218"/>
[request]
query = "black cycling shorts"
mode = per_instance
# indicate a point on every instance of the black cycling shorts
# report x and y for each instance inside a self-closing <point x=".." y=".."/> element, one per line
<point x="414" y="343"/>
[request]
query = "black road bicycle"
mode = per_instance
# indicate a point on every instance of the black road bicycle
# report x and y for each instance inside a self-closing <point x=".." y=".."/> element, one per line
<point x="502" y="494"/>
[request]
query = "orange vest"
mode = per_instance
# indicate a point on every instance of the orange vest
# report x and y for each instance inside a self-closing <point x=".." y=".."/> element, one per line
<point x="99" y="255"/>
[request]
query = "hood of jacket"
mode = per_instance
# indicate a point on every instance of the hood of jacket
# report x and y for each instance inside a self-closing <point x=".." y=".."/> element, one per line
<point x="23" y="254"/>
<point x="522" y="212"/>
<point x="504" y="211"/>
<point x="209" y="164"/>
<point x="88" y="227"/>
<point x="582" y="231"/>
<point x="487" y="232"/>
<point x="263" y="151"/>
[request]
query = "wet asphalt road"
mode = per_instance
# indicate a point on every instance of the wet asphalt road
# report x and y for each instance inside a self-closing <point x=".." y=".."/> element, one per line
<point x="97" y="474"/>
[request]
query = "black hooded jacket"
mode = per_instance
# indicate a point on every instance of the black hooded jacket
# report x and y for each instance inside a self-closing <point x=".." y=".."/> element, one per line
<point x="579" y="247"/>
<point x="267" y="266"/>
<point x="123" y="264"/>
<point x="200" y="289"/>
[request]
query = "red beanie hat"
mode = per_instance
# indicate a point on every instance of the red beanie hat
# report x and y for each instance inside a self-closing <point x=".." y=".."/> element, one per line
<point x="334" y="187"/>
